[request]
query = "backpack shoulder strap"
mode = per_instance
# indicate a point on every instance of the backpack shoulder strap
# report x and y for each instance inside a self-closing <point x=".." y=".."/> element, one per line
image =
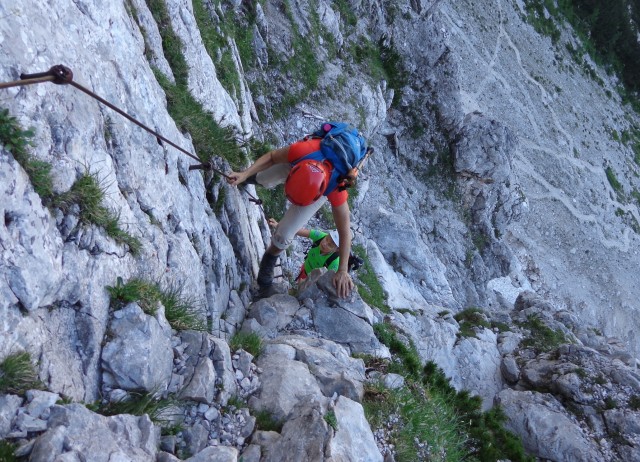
<point x="330" y="259"/>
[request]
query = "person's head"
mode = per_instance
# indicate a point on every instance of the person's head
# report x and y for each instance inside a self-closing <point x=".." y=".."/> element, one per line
<point x="307" y="181"/>
<point x="330" y="243"/>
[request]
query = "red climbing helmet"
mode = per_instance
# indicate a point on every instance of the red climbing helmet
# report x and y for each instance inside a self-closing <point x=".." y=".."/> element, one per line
<point x="307" y="181"/>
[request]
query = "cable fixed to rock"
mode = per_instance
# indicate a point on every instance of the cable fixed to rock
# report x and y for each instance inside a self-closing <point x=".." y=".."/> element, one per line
<point x="62" y="75"/>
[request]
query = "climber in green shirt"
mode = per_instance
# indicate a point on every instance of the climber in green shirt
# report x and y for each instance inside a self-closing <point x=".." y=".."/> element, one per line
<point x="323" y="252"/>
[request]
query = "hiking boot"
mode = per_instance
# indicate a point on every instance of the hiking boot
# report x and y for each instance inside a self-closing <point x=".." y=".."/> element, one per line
<point x="268" y="291"/>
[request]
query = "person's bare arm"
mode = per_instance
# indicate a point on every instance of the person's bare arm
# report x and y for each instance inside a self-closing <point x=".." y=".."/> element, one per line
<point x="277" y="156"/>
<point x="342" y="281"/>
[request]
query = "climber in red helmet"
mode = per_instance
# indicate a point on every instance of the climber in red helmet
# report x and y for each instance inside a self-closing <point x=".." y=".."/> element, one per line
<point x="306" y="183"/>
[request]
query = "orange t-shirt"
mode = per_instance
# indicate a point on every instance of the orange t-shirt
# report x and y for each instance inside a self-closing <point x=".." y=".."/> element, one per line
<point x="302" y="148"/>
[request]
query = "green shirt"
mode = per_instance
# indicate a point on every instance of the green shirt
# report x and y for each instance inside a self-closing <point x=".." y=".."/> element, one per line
<point x="314" y="258"/>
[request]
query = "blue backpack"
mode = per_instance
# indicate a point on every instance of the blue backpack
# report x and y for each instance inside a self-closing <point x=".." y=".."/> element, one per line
<point x="342" y="145"/>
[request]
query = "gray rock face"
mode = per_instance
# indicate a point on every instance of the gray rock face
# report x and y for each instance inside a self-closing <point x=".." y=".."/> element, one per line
<point x="9" y="405"/>
<point x="439" y="238"/>
<point x="73" y="429"/>
<point x="336" y="372"/>
<point x="304" y="436"/>
<point x="208" y="366"/>
<point x="353" y="439"/>
<point x="216" y="454"/>
<point x="537" y="418"/>
<point x="345" y="322"/>
<point x="284" y="383"/>
<point x="139" y="356"/>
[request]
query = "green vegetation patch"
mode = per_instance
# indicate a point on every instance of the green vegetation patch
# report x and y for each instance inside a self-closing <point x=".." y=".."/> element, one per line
<point x="406" y="353"/>
<point x="209" y="138"/>
<point x="88" y="195"/>
<point x="17" y="374"/>
<point x="632" y="137"/>
<point x="274" y="201"/>
<point x="331" y="419"/>
<point x="539" y="16"/>
<point x="137" y="403"/>
<point x="216" y="44"/>
<point x="606" y="28"/>
<point x="613" y="180"/>
<point x="435" y="422"/>
<point x="266" y="422"/>
<point x="541" y="337"/>
<point x="17" y="141"/>
<point x="250" y="342"/>
<point x="171" y="43"/>
<point x="370" y="288"/>
<point x="8" y="451"/>
<point x="469" y="320"/>
<point x="182" y="312"/>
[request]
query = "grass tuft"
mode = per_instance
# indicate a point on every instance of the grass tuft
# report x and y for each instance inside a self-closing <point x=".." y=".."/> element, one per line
<point x="249" y="342"/>
<point x="266" y="422"/>
<point x="370" y="288"/>
<point x="88" y="195"/>
<point x="17" y="374"/>
<point x="181" y="311"/>
<point x="17" y="141"/>
<point x="137" y="403"/>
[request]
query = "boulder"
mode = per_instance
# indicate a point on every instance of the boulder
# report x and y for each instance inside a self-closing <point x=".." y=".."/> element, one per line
<point x="90" y="436"/>
<point x="139" y="355"/>
<point x="545" y="428"/>
<point x="353" y="439"/>
<point x="284" y="384"/>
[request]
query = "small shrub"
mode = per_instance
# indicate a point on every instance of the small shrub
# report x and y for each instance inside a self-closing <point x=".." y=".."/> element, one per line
<point x="210" y="139"/>
<point x="407" y="354"/>
<point x="634" y="402"/>
<point x="236" y="402"/>
<point x="610" y="403"/>
<point x="274" y="201"/>
<point x="249" y="342"/>
<point x="600" y="380"/>
<point x="469" y="319"/>
<point x="17" y="374"/>
<point x="433" y="415"/>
